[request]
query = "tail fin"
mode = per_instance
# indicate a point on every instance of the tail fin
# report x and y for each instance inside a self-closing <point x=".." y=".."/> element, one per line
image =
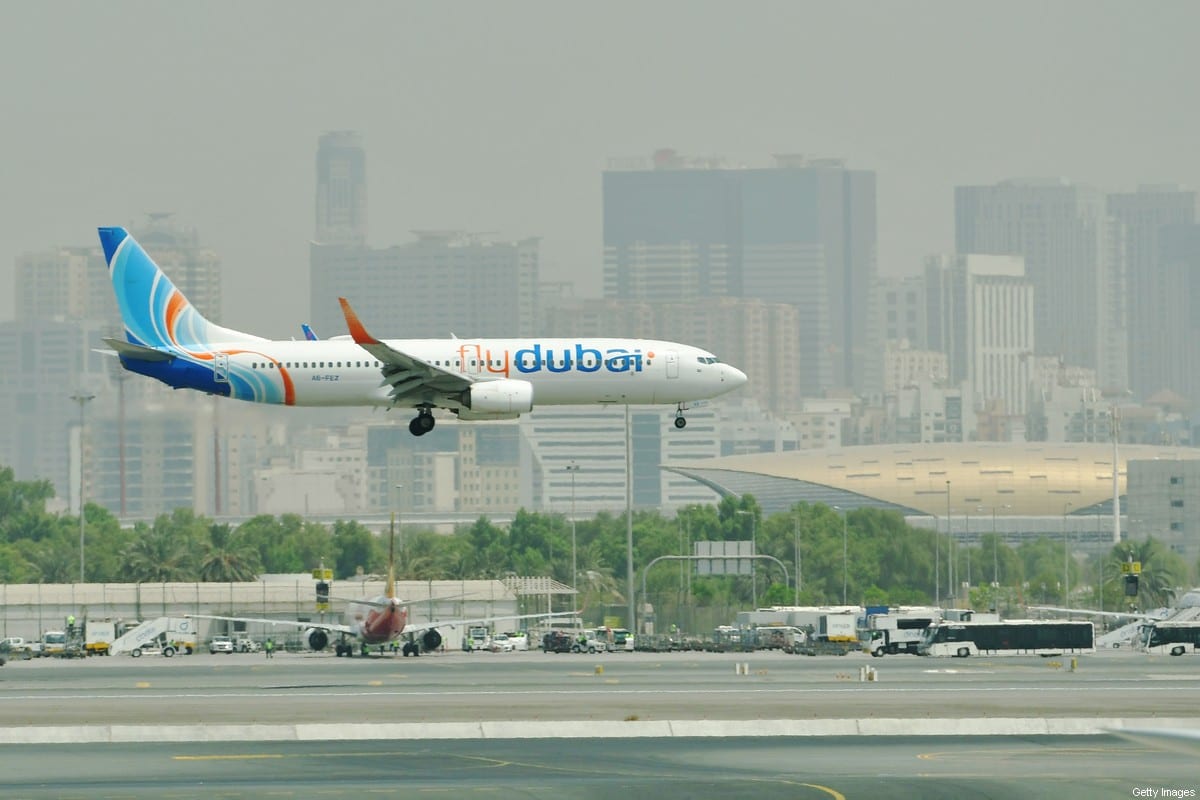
<point x="155" y="313"/>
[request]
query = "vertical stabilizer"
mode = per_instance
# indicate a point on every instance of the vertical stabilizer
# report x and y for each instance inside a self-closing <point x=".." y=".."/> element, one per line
<point x="154" y="311"/>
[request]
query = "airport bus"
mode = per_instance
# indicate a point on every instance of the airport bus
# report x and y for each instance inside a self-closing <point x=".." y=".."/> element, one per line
<point x="1175" y="638"/>
<point x="1008" y="638"/>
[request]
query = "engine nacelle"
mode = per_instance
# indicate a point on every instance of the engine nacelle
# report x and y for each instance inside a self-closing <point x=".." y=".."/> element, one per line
<point x="316" y="639"/>
<point x="506" y="396"/>
<point x="431" y="640"/>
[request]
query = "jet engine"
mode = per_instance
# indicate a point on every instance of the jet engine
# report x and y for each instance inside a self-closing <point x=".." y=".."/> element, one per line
<point x="431" y="640"/>
<point x="506" y="396"/>
<point x="316" y="638"/>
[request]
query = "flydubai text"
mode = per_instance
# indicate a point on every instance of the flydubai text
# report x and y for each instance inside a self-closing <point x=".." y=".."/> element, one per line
<point x="537" y="358"/>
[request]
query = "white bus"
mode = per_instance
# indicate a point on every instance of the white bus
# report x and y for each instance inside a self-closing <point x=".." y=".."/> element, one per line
<point x="1175" y="638"/>
<point x="1008" y="638"/>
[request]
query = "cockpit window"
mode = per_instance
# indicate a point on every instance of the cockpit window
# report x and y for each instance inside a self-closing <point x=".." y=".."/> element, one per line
<point x="708" y="359"/>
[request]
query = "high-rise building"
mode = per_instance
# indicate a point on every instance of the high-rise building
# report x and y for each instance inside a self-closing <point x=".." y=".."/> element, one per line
<point x="801" y="232"/>
<point x="341" y="189"/>
<point x="980" y="314"/>
<point x="42" y="363"/>
<point x="1144" y="214"/>
<point x="1176" y="351"/>
<point x="65" y="283"/>
<point x="447" y="282"/>
<point x="902" y="305"/>
<point x="1074" y="257"/>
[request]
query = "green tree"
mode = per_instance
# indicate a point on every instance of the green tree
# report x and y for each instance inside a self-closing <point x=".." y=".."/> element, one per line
<point x="228" y="557"/>
<point x="157" y="554"/>
<point x="356" y="549"/>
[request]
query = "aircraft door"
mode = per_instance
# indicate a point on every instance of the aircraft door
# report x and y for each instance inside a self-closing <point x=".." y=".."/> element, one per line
<point x="672" y="364"/>
<point x="221" y="367"/>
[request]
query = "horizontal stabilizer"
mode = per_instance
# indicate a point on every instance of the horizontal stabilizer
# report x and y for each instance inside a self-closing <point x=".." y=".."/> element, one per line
<point x="137" y="352"/>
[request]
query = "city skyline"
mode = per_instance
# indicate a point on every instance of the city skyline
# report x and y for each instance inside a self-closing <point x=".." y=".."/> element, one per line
<point x="504" y="118"/>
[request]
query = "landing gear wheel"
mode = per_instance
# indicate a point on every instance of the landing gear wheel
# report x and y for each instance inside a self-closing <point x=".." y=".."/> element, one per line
<point x="422" y="423"/>
<point x="680" y="422"/>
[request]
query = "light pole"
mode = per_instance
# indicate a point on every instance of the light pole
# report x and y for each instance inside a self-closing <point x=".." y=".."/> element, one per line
<point x="399" y="516"/>
<point x="796" y="534"/>
<point x="83" y="400"/>
<point x="1066" y="558"/>
<point x="937" y="560"/>
<point x="995" y="558"/>
<point x="950" y="533"/>
<point x="753" y="574"/>
<point x="572" y="468"/>
<point x="844" y="512"/>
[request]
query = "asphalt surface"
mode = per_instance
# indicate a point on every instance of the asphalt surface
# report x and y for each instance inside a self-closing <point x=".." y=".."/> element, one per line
<point x="187" y="720"/>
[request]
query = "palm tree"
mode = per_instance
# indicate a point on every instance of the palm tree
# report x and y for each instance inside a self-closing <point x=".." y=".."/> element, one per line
<point x="157" y="556"/>
<point x="228" y="557"/>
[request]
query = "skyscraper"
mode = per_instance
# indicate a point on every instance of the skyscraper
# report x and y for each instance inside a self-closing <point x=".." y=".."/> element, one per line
<point x="1073" y="257"/>
<point x="800" y="232"/>
<point x="341" y="189"/>
<point x="980" y="314"/>
<point x="446" y="282"/>
<point x="1144" y="214"/>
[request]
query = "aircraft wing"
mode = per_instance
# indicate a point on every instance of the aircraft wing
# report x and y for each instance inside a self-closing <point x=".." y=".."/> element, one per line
<point x="1091" y="612"/>
<point x="291" y="623"/>
<point x="452" y="623"/>
<point x="408" y="376"/>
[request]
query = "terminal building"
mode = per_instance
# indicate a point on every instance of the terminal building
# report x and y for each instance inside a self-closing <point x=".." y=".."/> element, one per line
<point x="1019" y="490"/>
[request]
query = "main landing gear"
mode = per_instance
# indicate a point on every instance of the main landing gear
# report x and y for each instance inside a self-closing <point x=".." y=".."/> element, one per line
<point x="422" y="423"/>
<point x="680" y="422"/>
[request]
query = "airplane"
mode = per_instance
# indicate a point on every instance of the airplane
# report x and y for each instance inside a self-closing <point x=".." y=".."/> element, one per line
<point x="166" y="338"/>
<point x="379" y="621"/>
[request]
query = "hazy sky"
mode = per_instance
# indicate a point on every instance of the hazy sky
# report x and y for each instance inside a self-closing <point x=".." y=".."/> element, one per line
<point x="501" y="116"/>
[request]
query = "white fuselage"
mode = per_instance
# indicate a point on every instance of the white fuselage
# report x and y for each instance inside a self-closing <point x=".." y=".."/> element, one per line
<point x="337" y="372"/>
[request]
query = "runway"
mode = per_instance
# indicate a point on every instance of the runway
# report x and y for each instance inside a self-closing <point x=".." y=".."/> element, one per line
<point x="547" y="725"/>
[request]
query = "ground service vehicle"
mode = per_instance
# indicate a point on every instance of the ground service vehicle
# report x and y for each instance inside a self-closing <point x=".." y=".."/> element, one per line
<point x="476" y="637"/>
<point x="247" y="645"/>
<point x="17" y="647"/>
<point x="556" y="642"/>
<point x="168" y="635"/>
<point x="99" y="634"/>
<point x="891" y="634"/>
<point x="221" y="644"/>
<point x="501" y="644"/>
<point x="58" y="644"/>
<point x="1008" y="638"/>
<point x="1173" y="638"/>
<point x="587" y="642"/>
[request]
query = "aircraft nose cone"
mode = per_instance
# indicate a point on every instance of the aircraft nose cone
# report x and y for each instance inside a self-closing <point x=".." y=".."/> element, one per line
<point x="735" y="376"/>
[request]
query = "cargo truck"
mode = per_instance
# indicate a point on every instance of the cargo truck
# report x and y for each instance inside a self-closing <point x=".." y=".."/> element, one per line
<point x="893" y="633"/>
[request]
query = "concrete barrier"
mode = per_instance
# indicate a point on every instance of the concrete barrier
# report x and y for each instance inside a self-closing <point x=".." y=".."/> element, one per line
<point x="598" y="729"/>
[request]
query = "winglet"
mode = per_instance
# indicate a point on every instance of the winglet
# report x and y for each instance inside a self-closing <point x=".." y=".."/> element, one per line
<point x="357" y="331"/>
<point x="308" y="332"/>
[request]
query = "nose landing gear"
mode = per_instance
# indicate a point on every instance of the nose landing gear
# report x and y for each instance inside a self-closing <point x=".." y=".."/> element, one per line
<point x="680" y="422"/>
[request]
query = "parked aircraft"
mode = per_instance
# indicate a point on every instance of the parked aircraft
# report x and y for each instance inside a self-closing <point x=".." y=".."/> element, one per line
<point x="377" y="622"/>
<point x="166" y="338"/>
